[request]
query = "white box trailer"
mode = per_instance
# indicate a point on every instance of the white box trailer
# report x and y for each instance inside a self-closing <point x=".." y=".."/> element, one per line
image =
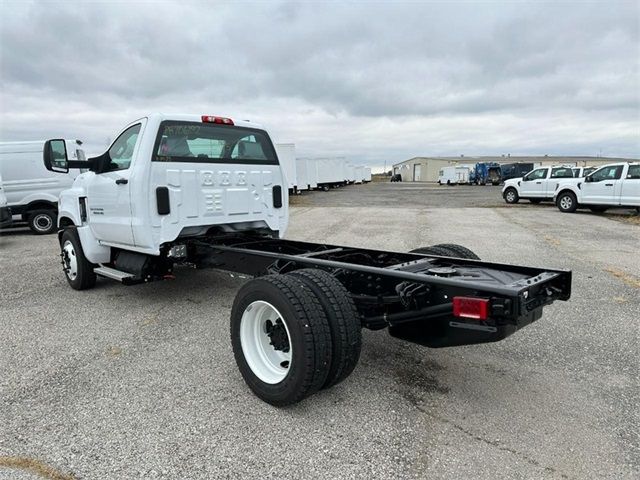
<point x="312" y="173"/>
<point x="367" y="174"/>
<point x="330" y="172"/>
<point x="287" y="157"/>
<point x="359" y="173"/>
<point x="454" y="175"/>
<point x="350" y="173"/>
<point x="301" y="174"/>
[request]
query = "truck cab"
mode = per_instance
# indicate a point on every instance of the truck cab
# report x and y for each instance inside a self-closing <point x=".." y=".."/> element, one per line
<point x="170" y="176"/>
<point x="614" y="185"/>
<point x="537" y="185"/>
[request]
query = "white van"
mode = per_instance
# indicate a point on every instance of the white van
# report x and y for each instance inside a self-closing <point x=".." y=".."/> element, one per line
<point x="453" y="175"/>
<point x="5" y="212"/>
<point x="32" y="191"/>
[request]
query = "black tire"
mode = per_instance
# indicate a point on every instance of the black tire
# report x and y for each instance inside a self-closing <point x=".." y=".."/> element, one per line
<point x="43" y="222"/>
<point x="308" y="332"/>
<point x="511" y="195"/>
<point x="83" y="277"/>
<point x="567" y="202"/>
<point x="343" y="318"/>
<point x="448" y="250"/>
<point x="598" y="208"/>
<point x="535" y="201"/>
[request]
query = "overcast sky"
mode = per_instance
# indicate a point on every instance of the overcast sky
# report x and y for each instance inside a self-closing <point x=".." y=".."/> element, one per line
<point x="372" y="81"/>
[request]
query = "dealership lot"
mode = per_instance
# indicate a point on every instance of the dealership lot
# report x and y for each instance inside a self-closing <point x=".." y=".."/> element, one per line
<point x="125" y="382"/>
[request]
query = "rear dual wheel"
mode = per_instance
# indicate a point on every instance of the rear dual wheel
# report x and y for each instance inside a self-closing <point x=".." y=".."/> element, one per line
<point x="294" y="334"/>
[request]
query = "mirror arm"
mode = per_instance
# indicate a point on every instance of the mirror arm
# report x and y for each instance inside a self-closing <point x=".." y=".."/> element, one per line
<point x="79" y="164"/>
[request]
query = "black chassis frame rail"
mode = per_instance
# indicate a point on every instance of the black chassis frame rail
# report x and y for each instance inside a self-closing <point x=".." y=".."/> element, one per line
<point x="410" y="293"/>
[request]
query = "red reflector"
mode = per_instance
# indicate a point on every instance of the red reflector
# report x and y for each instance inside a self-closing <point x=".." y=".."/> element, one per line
<point x="214" y="119"/>
<point x="469" y="307"/>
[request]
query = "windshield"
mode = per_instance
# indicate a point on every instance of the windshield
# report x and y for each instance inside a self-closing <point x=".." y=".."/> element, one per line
<point x="212" y="143"/>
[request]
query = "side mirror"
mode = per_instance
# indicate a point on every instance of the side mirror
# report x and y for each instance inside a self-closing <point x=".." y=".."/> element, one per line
<point x="588" y="178"/>
<point x="55" y="156"/>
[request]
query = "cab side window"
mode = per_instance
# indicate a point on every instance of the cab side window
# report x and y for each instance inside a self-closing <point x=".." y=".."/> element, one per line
<point x="607" y="173"/>
<point x="634" y="172"/>
<point x="537" y="174"/>
<point x="121" y="151"/>
<point x="561" y="173"/>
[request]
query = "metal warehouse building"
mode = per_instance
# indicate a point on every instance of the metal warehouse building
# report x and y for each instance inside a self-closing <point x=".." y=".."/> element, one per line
<point x="426" y="169"/>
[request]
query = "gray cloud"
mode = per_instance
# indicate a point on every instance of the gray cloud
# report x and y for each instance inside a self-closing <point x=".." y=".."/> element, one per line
<point x="368" y="80"/>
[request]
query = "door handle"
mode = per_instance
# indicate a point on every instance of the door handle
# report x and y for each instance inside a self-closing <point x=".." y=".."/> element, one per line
<point x="538" y="183"/>
<point x="122" y="181"/>
<point x="608" y="184"/>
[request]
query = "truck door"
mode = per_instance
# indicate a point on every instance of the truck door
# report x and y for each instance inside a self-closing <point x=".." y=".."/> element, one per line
<point x="630" y="191"/>
<point x="108" y="192"/>
<point x="533" y="184"/>
<point x="557" y="174"/>
<point x="603" y="187"/>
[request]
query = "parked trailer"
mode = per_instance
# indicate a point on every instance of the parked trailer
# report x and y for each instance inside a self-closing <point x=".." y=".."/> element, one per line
<point x="359" y="171"/>
<point x="312" y="173"/>
<point x="487" y="172"/>
<point x="350" y="173"/>
<point x="296" y="328"/>
<point x="287" y="156"/>
<point x="367" y="174"/>
<point x="326" y="173"/>
<point x="454" y="175"/>
<point x="515" y="170"/>
<point x="302" y="175"/>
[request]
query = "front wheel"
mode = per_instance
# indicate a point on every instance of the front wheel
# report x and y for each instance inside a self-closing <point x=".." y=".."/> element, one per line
<point x="567" y="202"/>
<point x="511" y="195"/>
<point x="42" y="222"/>
<point x="77" y="269"/>
<point x="281" y="339"/>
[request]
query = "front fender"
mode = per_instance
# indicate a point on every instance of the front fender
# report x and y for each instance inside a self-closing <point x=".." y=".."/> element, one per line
<point x="567" y="188"/>
<point x="512" y="183"/>
<point x="69" y="206"/>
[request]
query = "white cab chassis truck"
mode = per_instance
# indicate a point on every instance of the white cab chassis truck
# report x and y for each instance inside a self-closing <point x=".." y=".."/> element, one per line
<point x="537" y="185"/>
<point x="31" y="191"/>
<point x="207" y="191"/>
<point x="611" y="186"/>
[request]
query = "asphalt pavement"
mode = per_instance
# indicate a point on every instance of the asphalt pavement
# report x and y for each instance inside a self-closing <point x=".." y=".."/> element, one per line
<point x="140" y="382"/>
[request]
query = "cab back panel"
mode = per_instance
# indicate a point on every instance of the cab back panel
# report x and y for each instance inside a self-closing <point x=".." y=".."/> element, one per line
<point x="210" y="194"/>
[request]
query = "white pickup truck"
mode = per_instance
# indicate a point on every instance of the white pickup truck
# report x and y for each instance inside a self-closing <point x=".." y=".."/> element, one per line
<point x="535" y="186"/>
<point x="208" y="191"/>
<point x="611" y="186"/>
